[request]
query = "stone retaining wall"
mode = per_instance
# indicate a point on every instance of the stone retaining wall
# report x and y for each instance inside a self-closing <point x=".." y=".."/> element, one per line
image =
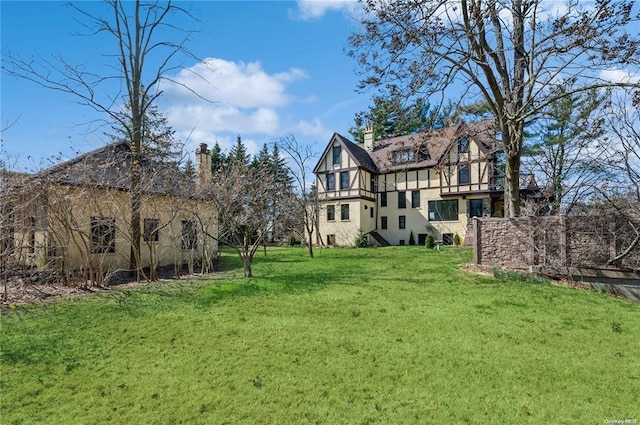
<point x="554" y="241"/>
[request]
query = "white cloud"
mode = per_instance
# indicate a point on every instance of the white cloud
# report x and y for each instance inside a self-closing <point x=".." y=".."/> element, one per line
<point x="316" y="9"/>
<point x="224" y="118"/>
<point x="244" y="85"/>
<point x="235" y="97"/>
<point x="314" y="127"/>
<point x="619" y="76"/>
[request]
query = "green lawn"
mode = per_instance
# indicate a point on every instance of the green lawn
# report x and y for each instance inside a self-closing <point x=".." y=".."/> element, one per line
<point x="391" y="336"/>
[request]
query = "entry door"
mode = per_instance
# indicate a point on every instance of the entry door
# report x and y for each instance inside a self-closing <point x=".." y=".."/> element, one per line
<point x="475" y="208"/>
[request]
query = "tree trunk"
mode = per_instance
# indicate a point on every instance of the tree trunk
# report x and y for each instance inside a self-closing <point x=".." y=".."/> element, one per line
<point x="512" y="187"/>
<point x="134" y="256"/>
<point x="246" y="263"/>
<point x="244" y="251"/>
<point x="310" y="244"/>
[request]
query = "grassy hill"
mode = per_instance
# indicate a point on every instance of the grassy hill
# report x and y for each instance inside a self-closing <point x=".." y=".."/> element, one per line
<point x="397" y="335"/>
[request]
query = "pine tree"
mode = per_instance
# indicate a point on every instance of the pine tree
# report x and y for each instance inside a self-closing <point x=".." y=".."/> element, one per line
<point x="394" y="116"/>
<point x="238" y="154"/>
<point x="561" y="147"/>
<point x="189" y="169"/>
<point x="280" y="169"/>
<point x="218" y="159"/>
<point x="158" y="138"/>
<point x="263" y="159"/>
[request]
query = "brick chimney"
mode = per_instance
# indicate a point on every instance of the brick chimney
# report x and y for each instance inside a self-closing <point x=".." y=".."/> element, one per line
<point x="203" y="164"/>
<point x="368" y="138"/>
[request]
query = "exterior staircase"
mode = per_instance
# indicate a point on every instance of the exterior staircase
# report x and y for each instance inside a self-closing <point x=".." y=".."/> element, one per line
<point x="381" y="241"/>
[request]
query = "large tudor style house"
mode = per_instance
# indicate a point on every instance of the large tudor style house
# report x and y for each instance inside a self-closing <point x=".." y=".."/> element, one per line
<point x="400" y="190"/>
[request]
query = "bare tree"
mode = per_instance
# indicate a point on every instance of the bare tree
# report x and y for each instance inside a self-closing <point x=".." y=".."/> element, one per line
<point x="624" y="123"/>
<point x="137" y="30"/>
<point x="305" y="201"/>
<point x="505" y="54"/>
<point x="241" y="198"/>
<point x="623" y="195"/>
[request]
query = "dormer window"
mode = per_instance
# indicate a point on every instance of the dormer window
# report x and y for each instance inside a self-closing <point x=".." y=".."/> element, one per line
<point x="404" y="156"/>
<point x="423" y="154"/>
<point x="337" y="152"/>
<point x="463" y="144"/>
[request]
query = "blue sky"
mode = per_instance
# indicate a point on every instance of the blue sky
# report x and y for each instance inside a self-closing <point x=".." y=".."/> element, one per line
<point x="276" y="67"/>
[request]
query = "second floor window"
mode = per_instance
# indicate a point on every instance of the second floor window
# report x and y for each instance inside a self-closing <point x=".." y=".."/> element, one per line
<point x="331" y="181"/>
<point x="344" y="180"/>
<point x="402" y="199"/>
<point x="337" y="152"/>
<point x="402" y="222"/>
<point x="463" y="174"/>
<point x="383" y="199"/>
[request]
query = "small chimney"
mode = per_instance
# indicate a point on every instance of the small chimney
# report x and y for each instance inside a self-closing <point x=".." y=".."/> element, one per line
<point x="203" y="164"/>
<point x="368" y="138"/>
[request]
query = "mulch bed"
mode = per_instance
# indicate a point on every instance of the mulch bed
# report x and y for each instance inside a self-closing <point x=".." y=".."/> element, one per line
<point x="21" y="291"/>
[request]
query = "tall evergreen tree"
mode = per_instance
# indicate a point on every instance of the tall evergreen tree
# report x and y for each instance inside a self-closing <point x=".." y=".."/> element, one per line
<point x="158" y="138"/>
<point x="218" y="158"/>
<point x="391" y="116"/>
<point x="189" y="169"/>
<point x="238" y="154"/>
<point x="284" y="194"/>
<point x="561" y="147"/>
<point x="280" y="170"/>
<point x="263" y="159"/>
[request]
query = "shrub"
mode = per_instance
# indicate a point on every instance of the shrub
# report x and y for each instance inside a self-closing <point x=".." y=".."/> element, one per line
<point x="429" y="242"/>
<point x="412" y="240"/>
<point x="497" y="273"/>
<point x="361" y="239"/>
<point x="293" y="241"/>
<point x="522" y="277"/>
<point x="456" y="239"/>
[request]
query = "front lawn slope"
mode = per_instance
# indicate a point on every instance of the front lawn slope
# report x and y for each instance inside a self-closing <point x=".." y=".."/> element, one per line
<point x="396" y="335"/>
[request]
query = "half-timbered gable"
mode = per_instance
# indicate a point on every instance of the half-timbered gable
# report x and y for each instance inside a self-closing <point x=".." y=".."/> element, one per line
<point x="468" y="164"/>
<point x="345" y="170"/>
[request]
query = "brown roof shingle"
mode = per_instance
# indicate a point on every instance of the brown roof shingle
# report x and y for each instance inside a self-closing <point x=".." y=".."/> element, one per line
<point x="431" y="146"/>
<point x="110" y="167"/>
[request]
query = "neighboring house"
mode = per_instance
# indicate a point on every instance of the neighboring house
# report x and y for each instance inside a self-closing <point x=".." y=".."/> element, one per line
<point x="76" y="215"/>
<point x="428" y="183"/>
